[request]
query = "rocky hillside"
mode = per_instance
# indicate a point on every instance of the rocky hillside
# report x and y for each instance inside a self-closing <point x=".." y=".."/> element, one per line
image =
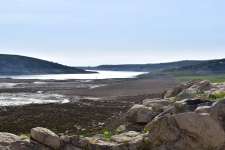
<point x="189" y="117"/>
<point x="21" y="65"/>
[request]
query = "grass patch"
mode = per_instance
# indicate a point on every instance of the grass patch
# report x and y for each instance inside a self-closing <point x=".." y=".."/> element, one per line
<point x="146" y="130"/>
<point x="217" y="96"/>
<point x="24" y="136"/>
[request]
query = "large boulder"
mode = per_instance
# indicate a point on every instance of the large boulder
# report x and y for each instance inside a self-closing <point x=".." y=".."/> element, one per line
<point x="174" y="92"/>
<point x="140" y="114"/>
<point x="185" y="131"/>
<point x="7" y="139"/>
<point x="178" y="89"/>
<point x="186" y="105"/>
<point x="24" y="145"/>
<point x="133" y="139"/>
<point x="126" y="141"/>
<point x="194" y="90"/>
<point x="157" y="105"/>
<point x="45" y="137"/>
<point x="217" y="111"/>
<point x="10" y="141"/>
<point x="202" y="86"/>
<point x="70" y="142"/>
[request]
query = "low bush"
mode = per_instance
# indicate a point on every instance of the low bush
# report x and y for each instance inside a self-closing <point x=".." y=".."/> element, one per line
<point x="107" y="134"/>
<point x="217" y="96"/>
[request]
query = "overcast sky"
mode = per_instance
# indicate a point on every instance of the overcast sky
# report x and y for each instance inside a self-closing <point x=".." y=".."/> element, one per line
<point x="93" y="32"/>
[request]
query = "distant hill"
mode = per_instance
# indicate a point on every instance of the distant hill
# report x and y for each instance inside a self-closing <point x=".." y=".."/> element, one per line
<point x="21" y="65"/>
<point x="145" y="67"/>
<point x="204" y="68"/>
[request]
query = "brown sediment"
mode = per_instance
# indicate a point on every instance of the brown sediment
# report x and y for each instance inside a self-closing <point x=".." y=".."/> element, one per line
<point x="85" y="115"/>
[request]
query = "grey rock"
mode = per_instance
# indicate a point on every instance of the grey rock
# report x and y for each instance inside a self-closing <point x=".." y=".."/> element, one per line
<point x="126" y="141"/>
<point x="178" y="89"/>
<point x="7" y="139"/>
<point x="186" y="131"/>
<point x="194" y="90"/>
<point x="203" y="109"/>
<point x="140" y="114"/>
<point x="217" y="111"/>
<point x="13" y="142"/>
<point x="158" y="105"/>
<point x="190" y="104"/>
<point x="45" y="137"/>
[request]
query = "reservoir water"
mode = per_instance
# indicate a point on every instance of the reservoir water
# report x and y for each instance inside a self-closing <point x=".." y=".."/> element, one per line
<point x="99" y="75"/>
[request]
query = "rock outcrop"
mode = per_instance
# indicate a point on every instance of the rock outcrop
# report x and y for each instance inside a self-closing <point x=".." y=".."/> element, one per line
<point x="186" y="131"/>
<point x="188" y="90"/>
<point x="217" y="111"/>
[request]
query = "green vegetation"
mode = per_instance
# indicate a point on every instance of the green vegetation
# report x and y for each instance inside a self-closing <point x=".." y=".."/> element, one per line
<point x="24" y="136"/>
<point x="107" y="134"/>
<point x="214" y="96"/>
<point x="146" y="130"/>
<point x="212" y="78"/>
<point x="217" y="96"/>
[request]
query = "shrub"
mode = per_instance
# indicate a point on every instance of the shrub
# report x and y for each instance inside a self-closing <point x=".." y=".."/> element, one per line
<point x="217" y="96"/>
<point x="107" y="134"/>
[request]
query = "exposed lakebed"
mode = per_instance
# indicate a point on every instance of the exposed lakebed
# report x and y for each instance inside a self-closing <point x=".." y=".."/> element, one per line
<point x="64" y="105"/>
<point x="41" y="92"/>
<point x="23" y="93"/>
<point x="13" y="99"/>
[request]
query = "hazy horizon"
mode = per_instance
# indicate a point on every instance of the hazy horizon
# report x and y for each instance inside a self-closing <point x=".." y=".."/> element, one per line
<point x="64" y="62"/>
<point x="96" y="32"/>
<point x="116" y="63"/>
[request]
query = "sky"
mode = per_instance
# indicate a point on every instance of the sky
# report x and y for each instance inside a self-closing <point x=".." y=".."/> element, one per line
<point x="94" y="32"/>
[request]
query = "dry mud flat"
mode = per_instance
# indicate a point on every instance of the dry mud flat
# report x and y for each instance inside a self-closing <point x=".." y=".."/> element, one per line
<point x="91" y="106"/>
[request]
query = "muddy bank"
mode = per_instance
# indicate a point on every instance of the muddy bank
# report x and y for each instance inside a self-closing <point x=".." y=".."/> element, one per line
<point x="82" y="115"/>
<point x="95" y="88"/>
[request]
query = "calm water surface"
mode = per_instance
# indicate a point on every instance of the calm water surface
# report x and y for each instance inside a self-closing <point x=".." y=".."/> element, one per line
<point x="99" y="75"/>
